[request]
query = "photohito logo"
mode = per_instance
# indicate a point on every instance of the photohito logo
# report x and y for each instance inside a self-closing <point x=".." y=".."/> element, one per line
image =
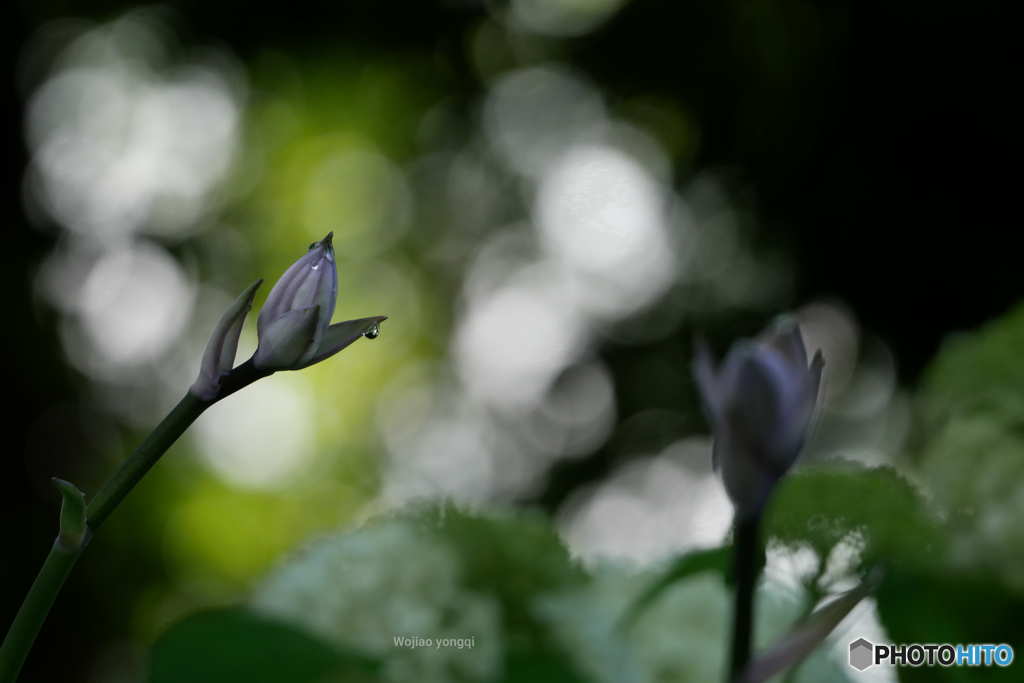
<point x="864" y="654"/>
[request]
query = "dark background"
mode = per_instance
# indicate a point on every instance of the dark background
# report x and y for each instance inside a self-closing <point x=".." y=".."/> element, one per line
<point x="879" y="139"/>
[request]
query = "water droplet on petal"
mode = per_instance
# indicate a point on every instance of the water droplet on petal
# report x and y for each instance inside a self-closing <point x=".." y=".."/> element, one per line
<point x="373" y="332"/>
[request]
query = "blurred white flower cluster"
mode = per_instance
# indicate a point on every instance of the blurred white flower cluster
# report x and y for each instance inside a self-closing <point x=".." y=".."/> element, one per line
<point x="682" y="636"/>
<point x="407" y="576"/>
<point x="362" y="590"/>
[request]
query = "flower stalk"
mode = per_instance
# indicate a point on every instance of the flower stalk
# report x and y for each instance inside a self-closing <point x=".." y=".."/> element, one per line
<point x="761" y="404"/>
<point x="746" y="566"/>
<point x="71" y="541"/>
<point x="294" y="332"/>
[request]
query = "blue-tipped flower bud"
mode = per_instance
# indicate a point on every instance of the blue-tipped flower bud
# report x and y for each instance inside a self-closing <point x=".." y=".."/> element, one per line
<point x="294" y="326"/>
<point x="220" y="351"/>
<point x="761" y="404"/>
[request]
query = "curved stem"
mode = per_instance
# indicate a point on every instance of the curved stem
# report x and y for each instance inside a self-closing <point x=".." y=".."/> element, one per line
<point x="61" y="559"/>
<point x="745" y="569"/>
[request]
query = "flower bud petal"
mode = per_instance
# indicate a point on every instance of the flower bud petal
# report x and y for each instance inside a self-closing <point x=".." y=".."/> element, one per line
<point x="755" y="401"/>
<point x="223" y="345"/>
<point x="340" y="335"/>
<point x="796" y="421"/>
<point x="761" y="406"/>
<point x="746" y="482"/>
<point x="717" y="386"/>
<point x="285" y="342"/>
<point x="708" y="384"/>
<point x="310" y="281"/>
<point x="784" y="336"/>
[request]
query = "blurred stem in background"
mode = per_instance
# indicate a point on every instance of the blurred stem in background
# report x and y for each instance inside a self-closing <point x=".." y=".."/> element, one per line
<point x="746" y="553"/>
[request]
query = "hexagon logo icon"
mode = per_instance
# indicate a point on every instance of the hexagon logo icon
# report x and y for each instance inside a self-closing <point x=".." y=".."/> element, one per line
<point x="860" y="654"/>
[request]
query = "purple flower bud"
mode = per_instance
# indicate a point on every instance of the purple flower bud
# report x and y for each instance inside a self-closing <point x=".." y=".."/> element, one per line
<point x="294" y="327"/>
<point x="288" y="340"/>
<point x="220" y="352"/>
<point x="761" y="404"/>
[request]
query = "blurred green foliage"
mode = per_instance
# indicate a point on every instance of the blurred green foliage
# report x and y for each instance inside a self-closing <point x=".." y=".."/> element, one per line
<point x="514" y="557"/>
<point x="980" y="370"/>
<point x="235" y="645"/>
<point x="886" y="515"/>
<point x="555" y="619"/>
<point x="939" y="608"/>
<point x="716" y="560"/>
<point x="972" y="447"/>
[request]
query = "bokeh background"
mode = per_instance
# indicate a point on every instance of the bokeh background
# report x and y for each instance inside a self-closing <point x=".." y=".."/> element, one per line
<point x="550" y="199"/>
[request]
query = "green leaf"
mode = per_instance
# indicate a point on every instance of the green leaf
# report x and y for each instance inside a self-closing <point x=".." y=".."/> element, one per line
<point x="971" y="446"/>
<point x="951" y="609"/>
<point x="513" y="556"/>
<point x="805" y="636"/>
<point x="820" y="506"/>
<point x="978" y="370"/>
<point x="716" y="560"/>
<point x="540" y="666"/>
<point x="234" y="645"/>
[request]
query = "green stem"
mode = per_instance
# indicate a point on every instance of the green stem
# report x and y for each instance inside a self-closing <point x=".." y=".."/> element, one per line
<point x="745" y="568"/>
<point x="142" y="460"/>
<point x="58" y="564"/>
<point x="33" y="611"/>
